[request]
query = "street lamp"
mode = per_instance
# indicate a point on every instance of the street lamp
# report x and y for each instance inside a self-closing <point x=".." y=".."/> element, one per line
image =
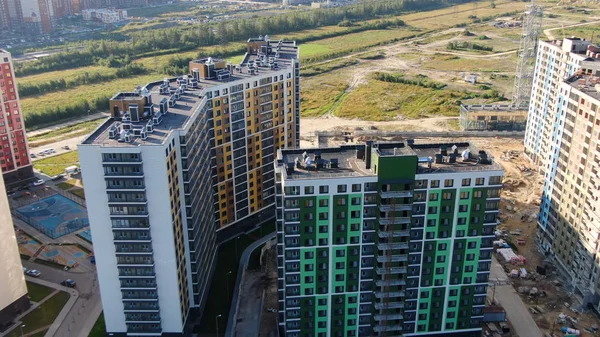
<point x="228" y="273"/>
<point x="22" y="326"/>
<point x="217" y="323"/>
<point x="236" y="252"/>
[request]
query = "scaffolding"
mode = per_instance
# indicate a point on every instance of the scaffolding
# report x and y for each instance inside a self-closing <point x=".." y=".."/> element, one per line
<point x="492" y="117"/>
<point x="532" y="26"/>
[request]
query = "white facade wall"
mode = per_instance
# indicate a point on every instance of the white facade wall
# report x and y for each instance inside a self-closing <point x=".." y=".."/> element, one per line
<point x="12" y="279"/>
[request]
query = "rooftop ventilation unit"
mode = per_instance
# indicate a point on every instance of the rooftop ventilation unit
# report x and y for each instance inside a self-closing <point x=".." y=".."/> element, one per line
<point x="172" y="101"/>
<point x="137" y="132"/>
<point x="483" y="158"/>
<point x="144" y="134"/>
<point x="138" y="90"/>
<point x="223" y="74"/>
<point x="150" y="125"/>
<point x="196" y="74"/>
<point x="439" y="158"/>
<point x="113" y="132"/>
<point x="333" y="163"/>
<point x="157" y="119"/>
<point x="163" y="106"/>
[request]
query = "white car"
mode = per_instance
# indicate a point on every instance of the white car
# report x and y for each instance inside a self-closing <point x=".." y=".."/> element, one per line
<point x="38" y="182"/>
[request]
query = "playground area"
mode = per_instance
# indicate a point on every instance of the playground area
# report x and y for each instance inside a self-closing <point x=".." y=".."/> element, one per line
<point x="66" y="255"/>
<point x="28" y="246"/>
<point x="86" y="235"/>
<point x="55" y="216"/>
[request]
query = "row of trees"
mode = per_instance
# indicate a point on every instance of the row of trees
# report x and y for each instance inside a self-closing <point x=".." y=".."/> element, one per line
<point x="457" y="45"/>
<point x="26" y="90"/>
<point x="173" y="39"/>
<point x="421" y="81"/>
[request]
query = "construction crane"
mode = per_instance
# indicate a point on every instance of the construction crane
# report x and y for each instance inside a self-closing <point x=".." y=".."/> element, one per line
<point x="532" y="26"/>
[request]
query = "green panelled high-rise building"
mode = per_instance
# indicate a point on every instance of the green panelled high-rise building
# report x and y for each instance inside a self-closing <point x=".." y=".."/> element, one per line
<point x="385" y="239"/>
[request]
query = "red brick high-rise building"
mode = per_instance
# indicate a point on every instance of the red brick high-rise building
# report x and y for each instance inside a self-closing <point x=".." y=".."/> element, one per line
<point x="14" y="153"/>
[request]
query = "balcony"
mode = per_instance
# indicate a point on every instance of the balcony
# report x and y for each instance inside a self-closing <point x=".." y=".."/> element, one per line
<point x="388" y="246"/>
<point x="392" y="258"/>
<point x="140" y="297"/>
<point x="128" y="237"/>
<point x="395" y="194"/>
<point x="389" y="305"/>
<point x="394" y="221"/>
<point x="383" y="283"/>
<point x="393" y="234"/>
<point x="389" y="317"/>
<point x="387" y="328"/>
<point x="397" y="207"/>
<point x="388" y="294"/>
<point x="390" y="270"/>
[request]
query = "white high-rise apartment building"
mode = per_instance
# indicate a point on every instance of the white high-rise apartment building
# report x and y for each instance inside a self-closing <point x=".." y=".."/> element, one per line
<point x="556" y="60"/>
<point x="180" y="159"/>
<point x="13" y="298"/>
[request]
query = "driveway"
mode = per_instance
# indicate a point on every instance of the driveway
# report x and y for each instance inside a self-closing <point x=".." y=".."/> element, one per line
<point x="507" y="297"/>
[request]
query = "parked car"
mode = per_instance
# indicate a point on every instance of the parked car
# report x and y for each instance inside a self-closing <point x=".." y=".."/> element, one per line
<point x="11" y="193"/>
<point x="57" y="177"/>
<point x="69" y="283"/>
<point x="33" y="272"/>
<point x="66" y="147"/>
<point x="38" y="182"/>
<point x="33" y="155"/>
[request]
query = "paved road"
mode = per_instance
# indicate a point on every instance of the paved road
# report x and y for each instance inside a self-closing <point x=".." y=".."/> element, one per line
<point x="86" y="309"/>
<point x="516" y="311"/>
<point x="235" y="302"/>
<point x="548" y="31"/>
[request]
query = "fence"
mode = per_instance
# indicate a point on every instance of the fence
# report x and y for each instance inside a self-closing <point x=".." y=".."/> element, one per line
<point x="64" y="228"/>
<point x="72" y="197"/>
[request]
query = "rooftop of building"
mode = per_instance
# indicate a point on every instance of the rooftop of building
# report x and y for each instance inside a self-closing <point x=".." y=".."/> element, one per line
<point x="575" y="45"/>
<point x="354" y="160"/>
<point x="587" y="79"/>
<point x="183" y="95"/>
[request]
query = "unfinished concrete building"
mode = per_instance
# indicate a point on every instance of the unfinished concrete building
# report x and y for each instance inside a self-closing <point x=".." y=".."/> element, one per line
<point x="492" y="117"/>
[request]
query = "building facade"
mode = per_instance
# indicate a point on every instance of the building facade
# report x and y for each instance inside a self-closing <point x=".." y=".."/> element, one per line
<point x="38" y="16"/>
<point x="569" y="218"/>
<point x="14" y="156"/>
<point x="14" y="299"/>
<point x="104" y="15"/>
<point x="556" y="60"/>
<point x="384" y="240"/>
<point x="180" y="159"/>
<point x="492" y="117"/>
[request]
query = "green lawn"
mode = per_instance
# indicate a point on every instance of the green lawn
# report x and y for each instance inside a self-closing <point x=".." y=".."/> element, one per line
<point x="67" y="74"/>
<point x="319" y="93"/>
<point x="159" y="10"/>
<point x="56" y="165"/>
<point x="216" y="303"/>
<point x="69" y="132"/>
<point x="66" y="185"/>
<point x="383" y="101"/>
<point x="37" y="292"/>
<point x="99" y="329"/>
<point x="43" y="316"/>
<point x="78" y="192"/>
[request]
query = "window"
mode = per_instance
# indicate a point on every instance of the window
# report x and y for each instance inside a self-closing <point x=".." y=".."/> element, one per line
<point x="323" y="203"/>
<point x="434" y="184"/>
<point x="432" y="210"/>
<point x="439" y="271"/>
<point x="341" y="201"/>
<point x="479" y="181"/>
<point x="342" y="188"/>
<point x="464" y="195"/>
<point x="356" y="187"/>
<point x="466" y="182"/>
<point x="477" y="194"/>
<point x="309" y="203"/>
<point x="442" y="246"/>
<point x="323" y="189"/>
<point x="309" y="190"/>
<point x="447" y="196"/>
<point x="448" y="183"/>
<point x="463" y="208"/>
<point x="433" y="196"/>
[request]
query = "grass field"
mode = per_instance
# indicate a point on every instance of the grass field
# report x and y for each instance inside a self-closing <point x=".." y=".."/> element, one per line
<point x="449" y="17"/>
<point x="69" y="132"/>
<point x="588" y="32"/>
<point x="319" y="93"/>
<point x="444" y="62"/>
<point x="99" y="329"/>
<point x="43" y="316"/>
<point x="37" y="292"/>
<point x="382" y="101"/>
<point x="68" y="97"/>
<point x="66" y="185"/>
<point x="67" y="74"/>
<point x="56" y="165"/>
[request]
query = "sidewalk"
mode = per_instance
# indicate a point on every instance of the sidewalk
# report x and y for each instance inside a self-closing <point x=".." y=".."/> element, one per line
<point x="74" y="296"/>
<point x="69" y="123"/>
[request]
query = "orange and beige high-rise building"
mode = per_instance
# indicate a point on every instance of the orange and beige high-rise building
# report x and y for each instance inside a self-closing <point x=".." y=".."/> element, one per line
<point x="14" y="155"/>
<point x="183" y="164"/>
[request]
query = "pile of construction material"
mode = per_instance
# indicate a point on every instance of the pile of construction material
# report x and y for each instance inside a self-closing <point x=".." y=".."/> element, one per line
<point x="509" y="256"/>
